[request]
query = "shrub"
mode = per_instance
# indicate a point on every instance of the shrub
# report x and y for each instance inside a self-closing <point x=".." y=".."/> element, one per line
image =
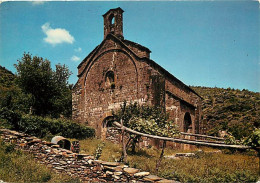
<point x="146" y="119"/>
<point x="254" y="139"/>
<point x="9" y="118"/>
<point x="40" y="127"/>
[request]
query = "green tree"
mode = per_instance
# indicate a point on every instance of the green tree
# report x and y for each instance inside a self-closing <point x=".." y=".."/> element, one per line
<point x="11" y="95"/>
<point x="51" y="94"/>
<point x="62" y="102"/>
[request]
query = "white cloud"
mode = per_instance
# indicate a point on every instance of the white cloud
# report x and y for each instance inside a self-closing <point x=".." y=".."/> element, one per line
<point x="78" y="49"/>
<point x="75" y="58"/>
<point x="38" y="2"/>
<point x="56" y="36"/>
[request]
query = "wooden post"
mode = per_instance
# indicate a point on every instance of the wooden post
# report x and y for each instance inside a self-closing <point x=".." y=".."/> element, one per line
<point x="161" y="156"/>
<point x="123" y="142"/>
<point x="258" y="153"/>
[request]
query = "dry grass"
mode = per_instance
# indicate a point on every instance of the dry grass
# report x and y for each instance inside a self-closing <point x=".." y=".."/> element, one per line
<point x="16" y="166"/>
<point x="204" y="167"/>
<point x="110" y="152"/>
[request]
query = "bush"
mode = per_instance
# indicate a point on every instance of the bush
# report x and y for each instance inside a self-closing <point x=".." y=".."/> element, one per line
<point x="40" y="127"/>
<point x="9" y="118"/>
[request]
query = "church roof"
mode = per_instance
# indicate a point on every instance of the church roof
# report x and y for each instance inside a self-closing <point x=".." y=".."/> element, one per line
<point x="114" y="10"/>
<point x="136" y="45"/>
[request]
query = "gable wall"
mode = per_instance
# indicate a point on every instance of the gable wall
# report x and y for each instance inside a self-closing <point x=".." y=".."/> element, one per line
<point x="93" y="97"/>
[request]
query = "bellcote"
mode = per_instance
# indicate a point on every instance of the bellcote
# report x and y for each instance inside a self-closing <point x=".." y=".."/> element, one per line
<point x="113" y="23"/>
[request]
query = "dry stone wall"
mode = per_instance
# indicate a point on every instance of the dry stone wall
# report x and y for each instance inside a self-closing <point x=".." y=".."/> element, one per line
<point x="81" y="166"/>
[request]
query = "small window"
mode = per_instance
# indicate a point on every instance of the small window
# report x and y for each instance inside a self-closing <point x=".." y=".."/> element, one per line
<point x="110" y="79"/>
<point x="112" y="23"/>
<point x="112" y="19"/>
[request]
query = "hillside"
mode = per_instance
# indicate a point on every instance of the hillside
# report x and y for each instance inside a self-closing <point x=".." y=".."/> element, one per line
<point x="236" y="111"/>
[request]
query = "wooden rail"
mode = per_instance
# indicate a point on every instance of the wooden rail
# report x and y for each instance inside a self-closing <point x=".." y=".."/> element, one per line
<point x="206" y="141"/>
<point x="184" y="141"/>
<point x="205" y="136"/>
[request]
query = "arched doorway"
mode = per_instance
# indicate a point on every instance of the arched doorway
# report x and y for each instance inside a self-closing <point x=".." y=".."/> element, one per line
<point x="109" y="131"/>
<point x="108" y="122"/>
<point x="187" y="125"/>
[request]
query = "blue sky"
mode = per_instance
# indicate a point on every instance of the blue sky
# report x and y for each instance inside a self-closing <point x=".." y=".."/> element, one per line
<point x="214" y="43"/>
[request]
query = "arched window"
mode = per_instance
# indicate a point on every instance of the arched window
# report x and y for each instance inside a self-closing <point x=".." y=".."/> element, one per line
<point x="110" y="79"/>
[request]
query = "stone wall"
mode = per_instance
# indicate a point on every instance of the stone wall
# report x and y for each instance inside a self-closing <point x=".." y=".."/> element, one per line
<point x="81" y="166"/>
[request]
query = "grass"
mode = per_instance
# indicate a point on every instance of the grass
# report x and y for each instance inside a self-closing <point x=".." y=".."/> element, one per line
<point x="17" y="166"/>
<point x="204" y="167"/>
<point x="110" y="152"/>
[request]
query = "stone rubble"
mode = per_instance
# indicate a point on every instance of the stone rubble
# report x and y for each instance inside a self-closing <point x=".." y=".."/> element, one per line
<point x="82" y="166"/>
<point x="184" y="154"/>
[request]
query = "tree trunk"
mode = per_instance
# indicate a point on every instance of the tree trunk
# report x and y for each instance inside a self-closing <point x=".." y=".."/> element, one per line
<point x="127" y="146"/>
<point x="134" y="144"/>
<point x="128" y="143"/>
<point x="161" y="156"/>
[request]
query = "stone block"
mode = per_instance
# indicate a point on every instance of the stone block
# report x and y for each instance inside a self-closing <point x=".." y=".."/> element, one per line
<point x="131" y="170"/>
<point x="141" y="174"/>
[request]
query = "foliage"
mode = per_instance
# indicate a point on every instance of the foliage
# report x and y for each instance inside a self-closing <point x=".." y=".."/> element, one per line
<point x="6" y="77"/>
<point x="254" y="139"/>
<point x="50" y="92"/>
<point x="235" y="111"/>
<point x="150" y="126"/>
<point x="9" y="118"/>
<point x="146" y="119"/>
<point x="40" y="127"/>
<point x="11" y="95"/>
<point x="16" y="166"/>
<point x="230" y="139"/>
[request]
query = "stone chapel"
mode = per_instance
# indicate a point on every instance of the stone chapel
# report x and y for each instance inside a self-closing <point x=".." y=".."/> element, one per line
<point x="118" y="70"/>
